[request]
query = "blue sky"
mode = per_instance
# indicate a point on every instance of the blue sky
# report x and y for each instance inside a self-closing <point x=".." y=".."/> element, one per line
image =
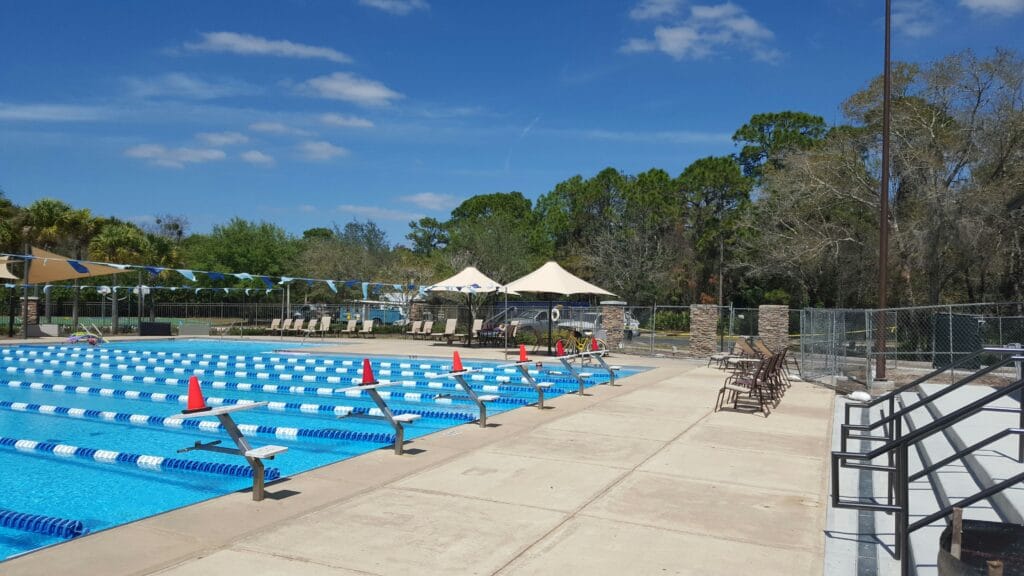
<point x="310" y="113"/>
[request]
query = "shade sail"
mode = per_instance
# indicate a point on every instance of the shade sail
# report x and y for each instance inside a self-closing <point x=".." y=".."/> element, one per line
<point x="5" y="273"/>
<point x="470" y="281"/>
<point x="553" y="279"/>
<point x="50" y="267"/>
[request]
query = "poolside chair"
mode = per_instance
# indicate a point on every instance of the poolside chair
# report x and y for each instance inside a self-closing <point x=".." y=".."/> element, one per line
<point x="275" y="325"/>
<point x="414" y="328"/>
<point x="313" y="329"/>
<point x="761" y="348"/>
<point x="350" y="328"/>
<point x="758" y="383"/>
<point x="325" y="326"/>
<point x="367" y="330"/>
<point x="286" y="325"/>
<point x="313" y="326"/>
<point x="449" y="331"/>
<point x="478" y="325"/>
<point x="426" y="331"/>
<point x="297" y="326"/>
<point x="722" y="358"/>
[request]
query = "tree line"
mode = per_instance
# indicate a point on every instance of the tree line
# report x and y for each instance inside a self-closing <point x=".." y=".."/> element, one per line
<point x="791" y="217"/>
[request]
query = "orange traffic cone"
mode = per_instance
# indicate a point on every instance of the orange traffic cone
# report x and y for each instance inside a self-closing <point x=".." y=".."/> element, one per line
<point x="196" y="402"/>
<point x="593" y="345"/>
<point x="522" y="353"/>
<point x="367" y="373"/>
<point x="457" y="362"/>
<point x="559" y="349"/>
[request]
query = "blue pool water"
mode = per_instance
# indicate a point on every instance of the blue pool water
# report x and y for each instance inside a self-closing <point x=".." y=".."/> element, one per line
<point x="116" y="397"/>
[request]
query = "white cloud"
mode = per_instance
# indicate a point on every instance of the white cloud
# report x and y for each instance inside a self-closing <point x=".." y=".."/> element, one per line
<point x="249" y="45"/>
<point x="654" y="9"/>
<point x="996" y="7"/>
<point x="307" y="208"/>
<point x="671" y="137"/>
<point x="346" y="121"/>
<point x="275" y="128"/>
<point x="707" y="30"/>
<point x="321" y="150"/>
<point x="399" y="7"/>
<point x="378" y="213"/>
<point x="222" y="138"/>
<point x="51" y="112"/>
<point x="915" y="18"/>
<point x="179" y="85"/>
<point x="431" y="200"/>
<point x="350" y="88"/>
<point x="257" y="157"/>
<point x="173" y="157"/>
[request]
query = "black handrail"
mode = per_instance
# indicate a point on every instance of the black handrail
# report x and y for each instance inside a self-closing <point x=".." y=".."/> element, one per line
<point x="892" y="394"/>
<point x="895" y="415"/>
<point x="900" y="446"/>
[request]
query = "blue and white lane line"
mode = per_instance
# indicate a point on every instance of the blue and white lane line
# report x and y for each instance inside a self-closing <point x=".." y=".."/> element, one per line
<point x="283" y="432"/>
<point x="55" y="370"/>
<point x="306" y="408"/>
<point x="39" y="524"/>
<point x="143" y="461"/>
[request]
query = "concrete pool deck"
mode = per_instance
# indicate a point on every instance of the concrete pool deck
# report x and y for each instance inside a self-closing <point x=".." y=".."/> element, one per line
<point x="640" y="478"/>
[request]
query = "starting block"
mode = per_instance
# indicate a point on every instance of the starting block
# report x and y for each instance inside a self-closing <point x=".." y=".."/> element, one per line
<point x="197" y="408"/>
<point x="397" y="421"/>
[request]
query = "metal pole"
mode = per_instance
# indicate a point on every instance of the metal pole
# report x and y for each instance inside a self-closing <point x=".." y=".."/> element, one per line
<point x="883" y="211"/>
<point x="24" y="297"/>
<point x="141" y="304"/>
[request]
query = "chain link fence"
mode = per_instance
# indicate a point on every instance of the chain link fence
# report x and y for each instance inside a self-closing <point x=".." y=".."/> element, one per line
<point x="838" y="346"/>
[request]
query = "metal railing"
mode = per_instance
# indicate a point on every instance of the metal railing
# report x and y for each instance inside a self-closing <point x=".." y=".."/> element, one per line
<point x="897" y="446"/>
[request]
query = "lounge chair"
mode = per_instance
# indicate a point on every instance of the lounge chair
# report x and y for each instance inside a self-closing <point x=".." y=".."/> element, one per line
<point x="367" y="330"/>
<point x="478" y="325"/>
<point x="286" y="325"/>
<point x="312" y="328"/>
<point x="449" y="331"/>
<point x="414" y="329"/>
<point x="425" y="332"/>
<point x="325" y="326"/>
<point x="275" y="325"/>
<point x="297" y="326"/>
<point x="350" y="328"/>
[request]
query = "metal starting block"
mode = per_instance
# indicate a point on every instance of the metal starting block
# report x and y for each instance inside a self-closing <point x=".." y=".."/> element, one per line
<point x="254" y="456"/>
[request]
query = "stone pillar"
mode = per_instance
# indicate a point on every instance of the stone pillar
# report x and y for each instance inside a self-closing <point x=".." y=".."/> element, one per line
<point x="613" y="322"/>
<point x="703" y="329"/>
<point x="33" y="309"/>
<point x="773" y="326"/>
<point x="416" y="311"/>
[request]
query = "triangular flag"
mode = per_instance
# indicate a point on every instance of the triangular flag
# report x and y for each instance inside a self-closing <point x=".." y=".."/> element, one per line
<point x="330" y="284"/>
<point x="188" y="274"/>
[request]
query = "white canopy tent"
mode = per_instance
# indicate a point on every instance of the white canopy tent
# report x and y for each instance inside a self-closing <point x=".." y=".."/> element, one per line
<point x="470" y="281"/>
<point x="553" y="279"/>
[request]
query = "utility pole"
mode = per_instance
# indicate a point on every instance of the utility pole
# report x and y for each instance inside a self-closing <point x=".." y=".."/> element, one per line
<point x="883" y="212"/>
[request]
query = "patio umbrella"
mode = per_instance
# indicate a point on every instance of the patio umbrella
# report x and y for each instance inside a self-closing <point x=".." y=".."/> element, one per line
<point x="469" y="281"/>
<point x="552" y="279"/>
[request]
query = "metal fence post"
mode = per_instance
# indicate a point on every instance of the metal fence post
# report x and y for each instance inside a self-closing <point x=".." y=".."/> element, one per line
<point x="654" y="326"/>
<point x="869" y="349"/>
<point x="952" y="372"/>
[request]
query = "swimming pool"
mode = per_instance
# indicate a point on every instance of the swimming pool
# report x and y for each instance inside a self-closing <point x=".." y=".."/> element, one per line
<point x="89" y="434"/>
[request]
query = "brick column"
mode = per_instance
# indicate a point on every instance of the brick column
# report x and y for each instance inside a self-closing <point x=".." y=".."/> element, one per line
<point x="613" y="321"/>
<point x="33" y="309"/>
<point x="773" y="326"/>
<point x="703" y="329"/>
<point x="416" y="311"/>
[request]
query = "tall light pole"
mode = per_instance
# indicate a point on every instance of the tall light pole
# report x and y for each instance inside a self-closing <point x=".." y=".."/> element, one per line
<point x="883" y="212"/>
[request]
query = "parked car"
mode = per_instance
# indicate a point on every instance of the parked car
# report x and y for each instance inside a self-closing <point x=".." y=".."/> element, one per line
<point x="592" y="323"/>
<point x="533" y="321"/>
<point x="310" y="311"/>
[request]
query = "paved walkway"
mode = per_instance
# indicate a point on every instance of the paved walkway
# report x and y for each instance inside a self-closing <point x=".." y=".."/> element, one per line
<point x="637" y="479"/>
